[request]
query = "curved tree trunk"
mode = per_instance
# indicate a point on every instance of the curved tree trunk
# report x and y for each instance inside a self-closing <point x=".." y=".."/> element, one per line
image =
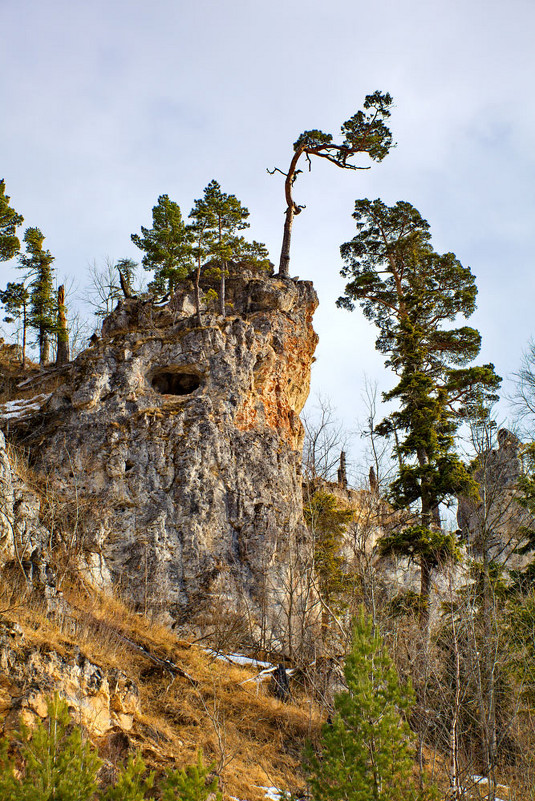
<point x="291" y="210"/>
<point x="284" y="263"/>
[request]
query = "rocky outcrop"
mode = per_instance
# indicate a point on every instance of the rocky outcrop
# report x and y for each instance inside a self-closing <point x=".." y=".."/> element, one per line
<point x="493" y="522"/>
<point x="103" y="698"/>
<point x="178" y="447"/>
<point x="24" y="539"/>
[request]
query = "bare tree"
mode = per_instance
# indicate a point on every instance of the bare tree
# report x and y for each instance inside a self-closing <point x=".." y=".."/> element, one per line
<point x="378" y="456"/>
<point x="107" y="286"/>
<point x="325" y="440"/>
<point x="523" y="398"/>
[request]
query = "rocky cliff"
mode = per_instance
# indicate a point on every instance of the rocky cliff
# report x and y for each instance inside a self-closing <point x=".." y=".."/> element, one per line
<point x="493" y="523"/>
<point x="177" y="447"/>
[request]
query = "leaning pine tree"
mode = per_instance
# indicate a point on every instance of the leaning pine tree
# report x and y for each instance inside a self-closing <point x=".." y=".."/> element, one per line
<point x="366" y="752"/>
<point x="364" y="132"/>
<point x="411" y="293"/>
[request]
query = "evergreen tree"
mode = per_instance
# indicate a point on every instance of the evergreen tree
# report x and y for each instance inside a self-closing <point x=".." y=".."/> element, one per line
<point x="410" y="292"/>
<point x="328" y="521"/>
<point x="167" y="246"/>
<point x="52" y="762"/>
<point x="127" y="272"/>
<point x="42" y="316"/>
<point x="364" y="132"/>
<point x="191" y="783"/>
<point x="365" y="750"/>
<point x="219" y="216"/>
<point x="58" y="764"/>
<point x="199" y="229"/>
<point x="9" y="222"/>
<point x="132" y="783"/>
<point x="15" y="298"/>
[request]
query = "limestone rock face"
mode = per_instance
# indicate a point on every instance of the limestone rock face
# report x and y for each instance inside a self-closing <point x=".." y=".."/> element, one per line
<point x="102" y="698"/>
<point x="179" y="447"/>
<point x="23" y="537"/>
<point x="494" y="522"/>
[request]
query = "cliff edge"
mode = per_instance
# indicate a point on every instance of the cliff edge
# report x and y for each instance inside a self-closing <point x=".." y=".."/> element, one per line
<point x="178" y="447"/>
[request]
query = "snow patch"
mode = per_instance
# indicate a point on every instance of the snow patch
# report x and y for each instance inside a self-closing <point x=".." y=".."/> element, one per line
<point x="23" y="407"/>
<point x="273" y="793"/>
<point x="239" y="659"/>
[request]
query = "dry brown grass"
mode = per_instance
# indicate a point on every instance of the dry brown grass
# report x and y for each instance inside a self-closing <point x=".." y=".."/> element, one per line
<point x="254" y="739"/>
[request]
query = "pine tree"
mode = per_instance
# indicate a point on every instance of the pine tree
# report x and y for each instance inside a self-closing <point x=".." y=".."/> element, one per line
<point x="219" y="216"/>
<point x="167" y="246"/>
<point x="199" y="230"/>
<point x="191" y="783"/>
<point x="127" y="272"/>
<point x="410" y="292"/>
<point x="15" y="299"/>
<point x="42" y="316"/>
<point x="9" y="222"/>
<point x="132" y="783"/>
<point x="58" y="764"/>
<point x="364" y="132"/>
<point x="365" y="752"/>
<point x="328" y="521"/>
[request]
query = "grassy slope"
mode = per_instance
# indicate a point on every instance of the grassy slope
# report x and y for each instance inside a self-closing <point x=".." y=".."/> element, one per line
<point x="253" y="738"/>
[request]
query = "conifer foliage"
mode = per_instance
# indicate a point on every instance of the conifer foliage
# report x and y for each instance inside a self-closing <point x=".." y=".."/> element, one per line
<point x="15" y="299"/>
<point x="366" y="752"/>
<point x="38" y="263"/>
<point x="166" y="246"/>
<point x="328" y="521"/>
<point x="55" y="763"/>
<point x="9" y="222"/>
<point x="176" y="251"/>
<point x="191" y="784"/>
<point x="220" y="216"/>
<point x="411" y="292"/>
<point x="365" y="132"/>
<point x="58" y="764"/>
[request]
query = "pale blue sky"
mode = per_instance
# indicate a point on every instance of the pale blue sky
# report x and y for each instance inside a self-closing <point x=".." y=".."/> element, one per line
<point x="106" y="105"/>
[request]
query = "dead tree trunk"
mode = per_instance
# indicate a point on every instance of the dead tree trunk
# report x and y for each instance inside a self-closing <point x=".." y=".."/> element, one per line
<point x="62" y="354"/>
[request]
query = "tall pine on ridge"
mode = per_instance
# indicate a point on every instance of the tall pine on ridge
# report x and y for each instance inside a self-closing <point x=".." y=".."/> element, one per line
<point x="219" y="216"/>
<point x="42" y="317"/>
<point x="166" y="246"/>
<point x="411" y="292"/>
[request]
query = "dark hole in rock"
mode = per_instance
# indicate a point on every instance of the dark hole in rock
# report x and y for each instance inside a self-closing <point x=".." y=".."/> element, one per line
<point x="169" y="383"/>
<point x="128" y="465"/>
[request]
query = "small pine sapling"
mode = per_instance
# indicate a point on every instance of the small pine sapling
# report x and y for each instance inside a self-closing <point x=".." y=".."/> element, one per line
<point x="366" y="750"/>
<point x="191" y="783"/>
<point x="58" y="764"/>
<point x="132" y="783"/>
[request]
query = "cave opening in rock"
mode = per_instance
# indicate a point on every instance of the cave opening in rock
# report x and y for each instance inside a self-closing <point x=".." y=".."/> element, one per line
<point x="167" y="382"/>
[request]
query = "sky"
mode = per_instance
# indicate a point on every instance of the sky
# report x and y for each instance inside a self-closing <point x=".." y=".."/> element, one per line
<point x="106" y="105"/>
